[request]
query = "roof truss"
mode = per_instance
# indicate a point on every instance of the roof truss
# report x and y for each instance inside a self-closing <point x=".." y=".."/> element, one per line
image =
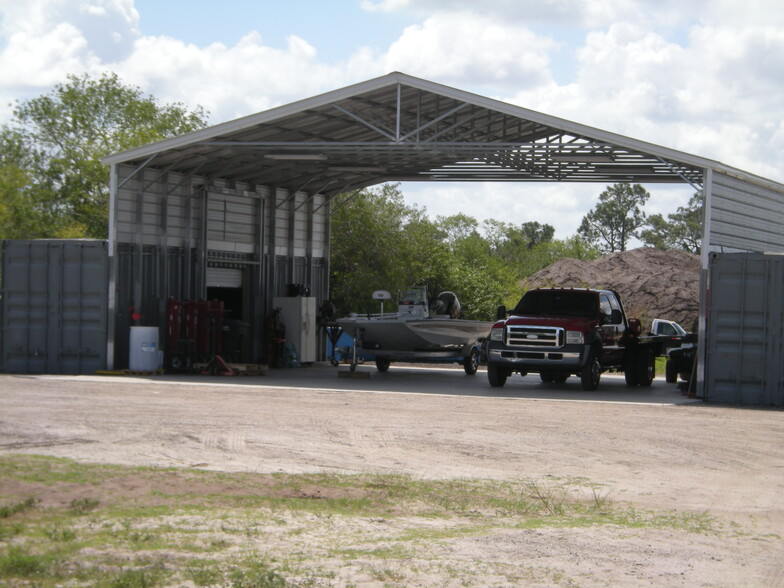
<point x="399" y="128"/>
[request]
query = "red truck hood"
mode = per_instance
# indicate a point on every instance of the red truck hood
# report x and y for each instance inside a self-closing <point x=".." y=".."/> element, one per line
<point x="569" y="323"/>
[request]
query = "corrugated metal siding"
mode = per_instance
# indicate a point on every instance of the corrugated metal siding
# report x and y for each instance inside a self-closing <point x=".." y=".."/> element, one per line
<point x="221" y="230"/>
<point x="745" y="215"/>
<point x="55" y="300"/>
<point x="153" y="275"/>
<point x="745" y="346"/>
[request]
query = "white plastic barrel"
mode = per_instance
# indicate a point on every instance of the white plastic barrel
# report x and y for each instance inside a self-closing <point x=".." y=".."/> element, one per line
<point x="144" y="353"/>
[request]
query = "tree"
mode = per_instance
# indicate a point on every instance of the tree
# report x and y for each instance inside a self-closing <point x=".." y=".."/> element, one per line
<point x="56" y="142"/>
<point x="615" y="219"/>
<point x="682" y="229"/>
<point x="380" y="243"/>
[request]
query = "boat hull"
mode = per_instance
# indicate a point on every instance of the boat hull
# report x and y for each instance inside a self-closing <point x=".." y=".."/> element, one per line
<point x="385" y="336"/>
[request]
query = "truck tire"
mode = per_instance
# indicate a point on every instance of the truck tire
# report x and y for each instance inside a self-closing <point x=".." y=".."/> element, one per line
<point x="630" y="371"/>
<point x="646" y="367"/>
<point x="591" y="372"/>
<point x="382" y="364"/>
<point x="497" y="375"/>
<point x="671" y="372"/>
<point x="547" y="377"/>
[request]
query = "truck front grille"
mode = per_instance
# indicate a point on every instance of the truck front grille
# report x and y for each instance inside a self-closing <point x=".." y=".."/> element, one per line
<point x="534" y="337"/>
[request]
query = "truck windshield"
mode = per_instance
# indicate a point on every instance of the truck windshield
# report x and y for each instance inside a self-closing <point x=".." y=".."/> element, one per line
<point x="557" y="303"/>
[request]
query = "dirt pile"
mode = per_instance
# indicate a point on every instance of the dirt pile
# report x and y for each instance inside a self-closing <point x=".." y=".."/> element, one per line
<point x="652" y="283"/>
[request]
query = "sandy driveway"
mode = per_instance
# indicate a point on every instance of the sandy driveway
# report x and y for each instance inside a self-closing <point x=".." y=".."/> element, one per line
<point x="652" y="449"/>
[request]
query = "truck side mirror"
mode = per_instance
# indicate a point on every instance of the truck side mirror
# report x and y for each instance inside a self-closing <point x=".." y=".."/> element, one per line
<point x="500" y="314"/>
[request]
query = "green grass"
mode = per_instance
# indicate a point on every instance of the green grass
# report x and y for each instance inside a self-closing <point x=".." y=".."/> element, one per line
<point x="68" y="524"/>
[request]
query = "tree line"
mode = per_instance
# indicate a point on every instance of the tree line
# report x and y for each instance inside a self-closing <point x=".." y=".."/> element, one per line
<point x="53" y="185"/>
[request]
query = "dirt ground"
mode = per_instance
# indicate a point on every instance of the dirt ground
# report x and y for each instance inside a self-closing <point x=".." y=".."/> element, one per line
<point x="651" y="448"/>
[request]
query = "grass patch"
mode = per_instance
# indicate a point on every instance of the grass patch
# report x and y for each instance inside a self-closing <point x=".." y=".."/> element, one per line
<point x="65" y="523"/>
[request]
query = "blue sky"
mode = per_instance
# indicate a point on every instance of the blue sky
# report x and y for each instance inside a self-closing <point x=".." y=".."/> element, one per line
<point x="702" y="76"/>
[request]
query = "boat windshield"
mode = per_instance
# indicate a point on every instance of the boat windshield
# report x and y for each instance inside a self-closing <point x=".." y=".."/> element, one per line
<point x="557" y="303"/>
<point x="412" y="296"/>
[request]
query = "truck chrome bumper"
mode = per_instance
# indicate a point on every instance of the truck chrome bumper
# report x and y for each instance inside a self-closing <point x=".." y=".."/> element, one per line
<point x="537" y="358"/>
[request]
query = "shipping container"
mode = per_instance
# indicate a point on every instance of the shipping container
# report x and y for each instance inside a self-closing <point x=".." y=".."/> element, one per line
<point x="745" y="343"/>
<point x="54" y="306"/>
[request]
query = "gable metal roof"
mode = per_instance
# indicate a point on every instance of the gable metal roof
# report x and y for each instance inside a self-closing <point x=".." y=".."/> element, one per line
<point x="401" y="128"/>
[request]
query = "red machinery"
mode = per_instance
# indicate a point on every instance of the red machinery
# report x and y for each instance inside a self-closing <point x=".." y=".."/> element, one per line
<point x="194" y="332"/>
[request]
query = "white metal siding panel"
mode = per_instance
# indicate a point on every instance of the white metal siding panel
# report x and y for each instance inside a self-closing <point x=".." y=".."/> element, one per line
<point x="232" y="219"/>
<point x="301" y="219"/>
<point x="319" y="226"/>
<point x="172" y="208"/>
<point x="281" y="222"/>
<point x="746" y="215"/>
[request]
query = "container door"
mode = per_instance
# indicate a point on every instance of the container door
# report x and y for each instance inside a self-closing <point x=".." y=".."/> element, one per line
<point x="55" y="297"/>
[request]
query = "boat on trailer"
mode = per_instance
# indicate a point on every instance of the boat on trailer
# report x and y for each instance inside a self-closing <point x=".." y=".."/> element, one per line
<point x="418" y="332"/>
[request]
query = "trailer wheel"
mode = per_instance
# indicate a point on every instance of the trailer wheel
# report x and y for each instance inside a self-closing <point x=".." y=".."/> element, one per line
<point x="382" y="363"/>
<point x="471" y="363"/>
<point x="497" y="375"/>
<point x="547" y="377"/>
<point x="591" y="372"/>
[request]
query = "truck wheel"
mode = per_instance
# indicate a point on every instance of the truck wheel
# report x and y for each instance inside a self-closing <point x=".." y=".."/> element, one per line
<point x="591" y="372"/>
<point x="630" y="371"/>
<point x="471" y="363"/>
<point x="382" y="363"/>
<point x="671" y="372"/>
<point x="560" y="378"/>
<point x="496" y="375"/>
<point x="547" y="377"/>
<point x="646" y="368"/>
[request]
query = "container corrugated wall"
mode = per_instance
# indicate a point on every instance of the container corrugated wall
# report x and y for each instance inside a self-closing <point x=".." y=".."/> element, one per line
<point x="745" y="345"/>
<point x="55" y="298"/>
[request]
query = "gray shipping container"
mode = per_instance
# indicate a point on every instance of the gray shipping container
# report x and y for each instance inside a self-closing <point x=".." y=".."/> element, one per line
<point x="54" y="306"/>
<point x="745" y="331"/>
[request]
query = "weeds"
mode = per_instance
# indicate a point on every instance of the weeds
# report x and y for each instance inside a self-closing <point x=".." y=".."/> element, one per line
<point x="292" y="530"/>
<point x="82" y="506"/>
<point x="9" y="510"/>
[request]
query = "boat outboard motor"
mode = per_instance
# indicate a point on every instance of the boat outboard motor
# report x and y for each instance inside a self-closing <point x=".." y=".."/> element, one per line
<point x="447" y="303"/>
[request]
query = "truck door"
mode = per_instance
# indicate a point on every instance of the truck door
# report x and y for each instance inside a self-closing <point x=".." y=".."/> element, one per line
<point x="612" y="329"/>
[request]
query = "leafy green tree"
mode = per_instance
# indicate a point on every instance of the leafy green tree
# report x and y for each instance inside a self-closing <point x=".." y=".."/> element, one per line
<point x="612" y="223"/>
<point x="480" y="279"/>
<point x="56" y="142"/>
<point x="380" y="243"/>
<point x="681" y="230"/>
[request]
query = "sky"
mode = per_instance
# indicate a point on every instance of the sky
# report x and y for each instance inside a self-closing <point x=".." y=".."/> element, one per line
<point x="701" y="76"/>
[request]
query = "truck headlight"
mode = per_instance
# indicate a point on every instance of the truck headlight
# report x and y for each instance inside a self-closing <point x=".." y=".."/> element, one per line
<point x="497" y="334"/>
<point x="574" y="337"/>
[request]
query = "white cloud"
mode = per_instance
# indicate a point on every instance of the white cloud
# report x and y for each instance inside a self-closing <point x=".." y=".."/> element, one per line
<point x="229" y="81"/>
<point x="465" y="46"/>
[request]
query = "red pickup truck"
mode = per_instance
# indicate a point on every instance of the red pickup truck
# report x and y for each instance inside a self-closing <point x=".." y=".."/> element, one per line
<point x="559" y="332"/>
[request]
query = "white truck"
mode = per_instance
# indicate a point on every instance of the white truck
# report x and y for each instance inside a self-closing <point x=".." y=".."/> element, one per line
<point x="680" y="359"/>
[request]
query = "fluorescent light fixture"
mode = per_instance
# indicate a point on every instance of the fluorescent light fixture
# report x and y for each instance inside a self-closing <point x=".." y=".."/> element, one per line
<point x="296" y="156"/>
<point x="579" y="158"/>
<point x="620" y="169"/>
<point x="357" y="168"/>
